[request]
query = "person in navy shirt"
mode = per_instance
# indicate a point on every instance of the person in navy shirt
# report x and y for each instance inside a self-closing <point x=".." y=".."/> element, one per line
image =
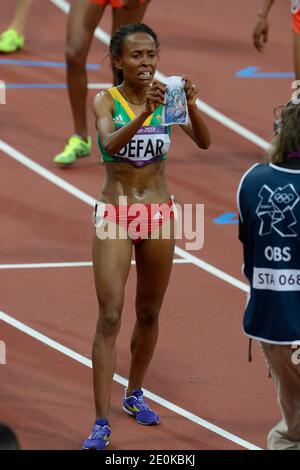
<point x="268" y="201"/>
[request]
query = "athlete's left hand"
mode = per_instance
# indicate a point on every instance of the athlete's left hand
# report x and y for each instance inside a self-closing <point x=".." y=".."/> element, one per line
<point x="191" y="92"/>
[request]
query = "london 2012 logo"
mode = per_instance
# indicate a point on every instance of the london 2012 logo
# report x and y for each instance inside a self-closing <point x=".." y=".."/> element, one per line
<point x="275" y="210"/>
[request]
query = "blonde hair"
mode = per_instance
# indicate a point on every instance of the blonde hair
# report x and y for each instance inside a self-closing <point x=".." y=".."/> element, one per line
<point x="287" y="140"/>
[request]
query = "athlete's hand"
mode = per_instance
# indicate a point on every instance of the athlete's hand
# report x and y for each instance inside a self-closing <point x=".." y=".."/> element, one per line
<point x="155" y="96"/>
<point x="191" y="92"/>
<point x="260" y="33"/>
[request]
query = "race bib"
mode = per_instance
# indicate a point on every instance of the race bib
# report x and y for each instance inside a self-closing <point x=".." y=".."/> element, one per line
<point x="149" y="142"/>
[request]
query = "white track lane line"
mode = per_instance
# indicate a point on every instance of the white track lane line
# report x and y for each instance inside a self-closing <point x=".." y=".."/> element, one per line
<point x="99" y="86"/>
<point x="104" y="37"/>
<point x="122" y="381"/>
<point x="75" y="264"/>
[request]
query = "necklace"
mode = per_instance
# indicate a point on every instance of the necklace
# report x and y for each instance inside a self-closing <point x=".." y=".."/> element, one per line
<point x="131" y="102"/>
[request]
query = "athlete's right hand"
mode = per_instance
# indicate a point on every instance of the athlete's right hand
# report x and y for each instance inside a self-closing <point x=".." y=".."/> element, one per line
<point x="155" y="96"/>
<point x="260" y="33"/>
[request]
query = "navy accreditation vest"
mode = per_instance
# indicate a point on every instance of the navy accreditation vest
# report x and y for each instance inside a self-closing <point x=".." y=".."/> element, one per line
<point x="269" y="208"/>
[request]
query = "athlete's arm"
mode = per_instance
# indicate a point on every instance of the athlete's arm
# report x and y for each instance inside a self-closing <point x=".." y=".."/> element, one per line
<point x="114" y="140"/>
<point x="261" y="28"/>
<point x="196" y="129"/>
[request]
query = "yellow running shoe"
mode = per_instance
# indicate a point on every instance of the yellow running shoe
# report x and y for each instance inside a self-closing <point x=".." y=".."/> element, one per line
<point x="76" y="147"/>
<point x="11" y="41"/>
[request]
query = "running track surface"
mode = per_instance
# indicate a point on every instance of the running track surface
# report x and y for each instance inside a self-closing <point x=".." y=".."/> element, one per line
<point x="200" y="363"/>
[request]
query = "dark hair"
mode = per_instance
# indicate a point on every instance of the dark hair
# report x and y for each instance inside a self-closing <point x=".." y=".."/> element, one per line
<point x="287" y="140"/>
<point x="8" y="440"/>
<point x="117" y="41"/>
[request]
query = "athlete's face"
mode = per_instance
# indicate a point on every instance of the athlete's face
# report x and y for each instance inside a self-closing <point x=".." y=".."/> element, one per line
<point x="139" y="58"/>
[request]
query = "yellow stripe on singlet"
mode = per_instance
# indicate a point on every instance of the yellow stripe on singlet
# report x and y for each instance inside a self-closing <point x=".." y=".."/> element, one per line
<point x="117" y="96"/>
